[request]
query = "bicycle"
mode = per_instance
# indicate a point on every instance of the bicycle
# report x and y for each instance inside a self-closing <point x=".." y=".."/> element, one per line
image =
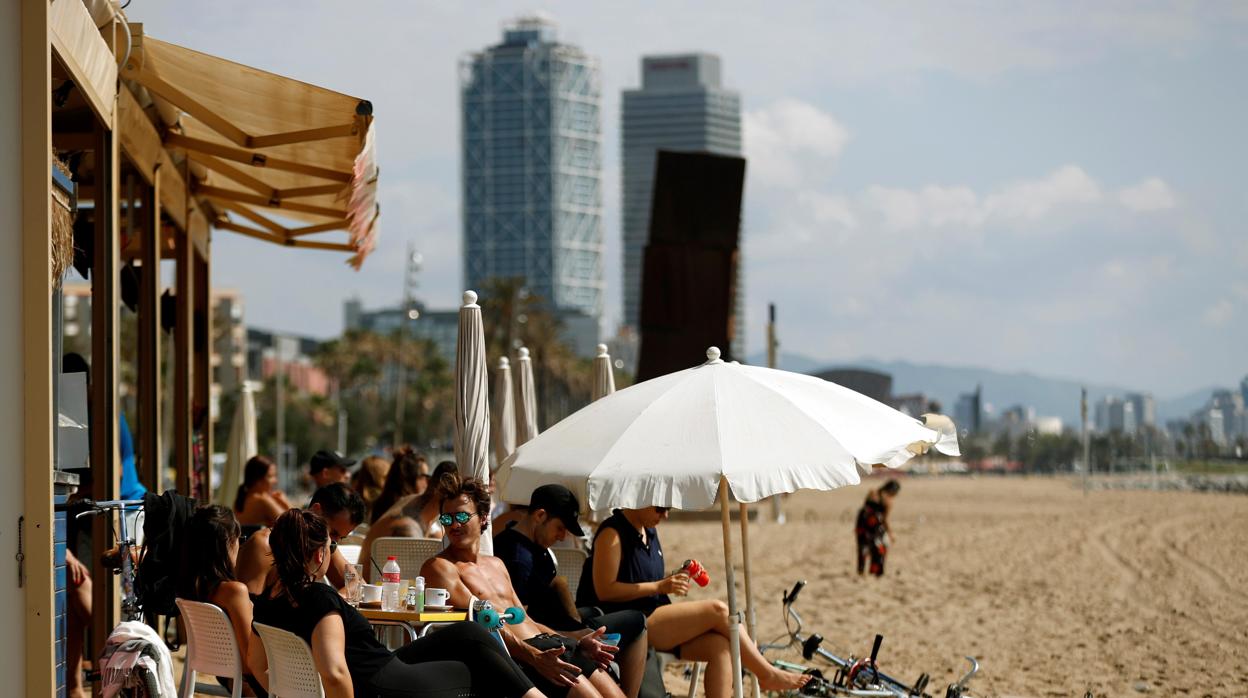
<point x="124" y="565"/>
<point x="860" y="678"/>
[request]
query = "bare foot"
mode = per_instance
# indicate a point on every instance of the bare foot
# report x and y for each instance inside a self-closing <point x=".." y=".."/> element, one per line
<point x="780" y="680"/>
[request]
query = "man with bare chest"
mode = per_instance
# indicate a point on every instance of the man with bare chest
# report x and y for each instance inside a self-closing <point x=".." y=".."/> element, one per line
<point x="558" y="663"/>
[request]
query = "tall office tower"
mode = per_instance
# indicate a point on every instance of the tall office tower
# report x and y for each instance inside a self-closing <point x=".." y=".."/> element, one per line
<point x="532" y="172"/>
<point x="681" y="106"/>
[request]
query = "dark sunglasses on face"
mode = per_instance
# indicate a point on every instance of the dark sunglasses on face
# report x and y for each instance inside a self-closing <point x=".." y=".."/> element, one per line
<point x="459" y="517"/>
<point x="661" y="510"/>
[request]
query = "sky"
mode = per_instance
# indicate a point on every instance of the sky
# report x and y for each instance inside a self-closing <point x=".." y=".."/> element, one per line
<point x="1056" y="188"/>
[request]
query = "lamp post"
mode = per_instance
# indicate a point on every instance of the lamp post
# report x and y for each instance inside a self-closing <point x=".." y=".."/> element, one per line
<point x="409" y="314"/>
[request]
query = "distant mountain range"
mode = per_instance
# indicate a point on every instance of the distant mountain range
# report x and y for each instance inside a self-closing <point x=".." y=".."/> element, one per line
<point x="1057" y="397"/>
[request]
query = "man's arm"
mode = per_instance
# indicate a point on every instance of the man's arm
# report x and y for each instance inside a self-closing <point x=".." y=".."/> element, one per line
<point x="441" y="573"/>
<point x="337" y="570"/>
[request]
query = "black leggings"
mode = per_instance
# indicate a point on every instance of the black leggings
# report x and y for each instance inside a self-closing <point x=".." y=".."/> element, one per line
<point x="447" y="661"/>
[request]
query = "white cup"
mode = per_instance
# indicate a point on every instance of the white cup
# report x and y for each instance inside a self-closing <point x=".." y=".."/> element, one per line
<point x="437" y="597"/>
<point x="370" y="593"/>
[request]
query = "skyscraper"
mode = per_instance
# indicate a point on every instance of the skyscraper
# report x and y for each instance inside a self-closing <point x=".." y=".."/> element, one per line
<point x="532" y="171"/>
<point x="681" y="106"/>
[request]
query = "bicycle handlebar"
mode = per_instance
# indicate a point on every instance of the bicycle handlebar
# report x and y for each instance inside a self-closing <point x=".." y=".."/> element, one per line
<point x="91" y="504"/>
<point x="791" y="597"/>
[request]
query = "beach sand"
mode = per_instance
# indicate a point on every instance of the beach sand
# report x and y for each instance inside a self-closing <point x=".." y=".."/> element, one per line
<point x="1056" y="593"/>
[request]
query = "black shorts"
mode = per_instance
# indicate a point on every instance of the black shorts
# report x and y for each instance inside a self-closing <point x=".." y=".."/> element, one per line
<point x="545" y="641"/>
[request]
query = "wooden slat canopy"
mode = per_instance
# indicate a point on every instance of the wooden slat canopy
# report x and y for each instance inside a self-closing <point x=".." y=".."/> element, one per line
<point x="283" y="159"/>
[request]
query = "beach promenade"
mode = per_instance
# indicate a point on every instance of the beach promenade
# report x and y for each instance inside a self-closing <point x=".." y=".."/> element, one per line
<point x="1119" y="592"/>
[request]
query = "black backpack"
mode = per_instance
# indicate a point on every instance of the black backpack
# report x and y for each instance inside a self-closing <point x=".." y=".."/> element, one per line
<point x="160" y="567"/>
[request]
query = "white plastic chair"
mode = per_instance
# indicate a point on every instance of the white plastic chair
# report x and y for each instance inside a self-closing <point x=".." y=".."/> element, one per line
<point x="410" y="553"/>
<point x="350" y="552"/>
<point x="211" y="648"/>
<point x="292" y="672"/>
<point x="569" y="563"/>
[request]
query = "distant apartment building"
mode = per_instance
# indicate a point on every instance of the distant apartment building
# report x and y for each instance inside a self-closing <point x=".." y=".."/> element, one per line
<point x="968" y="414"/>
<point x="532" y="173"/>
<point x="874" y="384"/>
<point x="680" y="106"/>
<point x="1113" y="414"/>
<point x="1144" y="409"/>
<point x="267" y="352"/>
<point x="441" y="327"/>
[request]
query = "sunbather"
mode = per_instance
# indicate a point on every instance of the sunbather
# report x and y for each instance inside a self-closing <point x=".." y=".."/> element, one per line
<point x="558" y="663"/>
<point x="625" y="570"/>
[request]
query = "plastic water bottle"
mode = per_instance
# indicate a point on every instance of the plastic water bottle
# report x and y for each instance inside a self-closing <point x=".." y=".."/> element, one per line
<point x="390" y="585"/>
<point x="417" y="593"/>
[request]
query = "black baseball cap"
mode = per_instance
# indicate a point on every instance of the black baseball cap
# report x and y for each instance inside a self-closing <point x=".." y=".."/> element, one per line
<point x="559" y="502"/>
<point x="328" y="459"/>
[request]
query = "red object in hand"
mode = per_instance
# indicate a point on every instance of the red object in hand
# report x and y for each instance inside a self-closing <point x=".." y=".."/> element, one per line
<point x="696" y="572"/>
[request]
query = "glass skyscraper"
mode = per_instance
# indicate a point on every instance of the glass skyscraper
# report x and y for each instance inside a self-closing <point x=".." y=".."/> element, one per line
<point x="681" y="106"/>
<point x="532" y="170"/>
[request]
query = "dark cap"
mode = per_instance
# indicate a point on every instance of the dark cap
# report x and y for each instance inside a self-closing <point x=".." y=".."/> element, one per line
<point x="328" y="459"/>
<point x="559" y="502"/>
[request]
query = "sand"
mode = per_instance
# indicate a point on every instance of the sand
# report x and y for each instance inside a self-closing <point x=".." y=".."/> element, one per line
<point x="1121" y="593"/>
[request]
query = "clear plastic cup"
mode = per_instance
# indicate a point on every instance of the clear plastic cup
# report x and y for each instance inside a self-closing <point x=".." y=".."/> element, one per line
<point x="353" y="580"/>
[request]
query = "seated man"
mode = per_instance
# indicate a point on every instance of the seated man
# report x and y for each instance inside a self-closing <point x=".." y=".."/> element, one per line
<point x="328" y="467"/>
<point x="559" y="664"/>
<point x="524" y="547"/>
<point x="340" y="506"/>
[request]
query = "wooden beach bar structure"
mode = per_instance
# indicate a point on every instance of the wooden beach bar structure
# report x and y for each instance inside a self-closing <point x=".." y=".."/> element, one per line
<point x="119" y="150"/>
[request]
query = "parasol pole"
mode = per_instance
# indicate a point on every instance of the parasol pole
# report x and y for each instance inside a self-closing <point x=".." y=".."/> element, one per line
<point x="734" y="618"/>
<point x="749" y="591"/>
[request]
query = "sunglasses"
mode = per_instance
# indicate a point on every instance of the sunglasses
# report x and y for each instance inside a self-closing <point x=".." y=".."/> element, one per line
<point x="661" y="510"/>
<point x="459" y="517"/>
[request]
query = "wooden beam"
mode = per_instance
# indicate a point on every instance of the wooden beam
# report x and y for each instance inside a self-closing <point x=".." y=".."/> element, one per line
<point x="201" y="233"/>
<point x="318" y="190"/>
<point x="185" y="102"/>
<point x="317" y="245"/>
<point x="183" y="362"/>
<point x="311" y="134"/>
<point x="256" y="200"/>
<point x="251" y="232"/>
<point x="105" y="299"/>
<point x="33" y="134"/>
<point x="201" y="391"/>
<point x="270" y="225"/>
<point x="66" y="25"/>
<point x="248" y="157"/>
<point x="234" y="173"/>
<point x="139" y="138"/>
<point x="342" y="224"/>
<point x="150" y="334"/>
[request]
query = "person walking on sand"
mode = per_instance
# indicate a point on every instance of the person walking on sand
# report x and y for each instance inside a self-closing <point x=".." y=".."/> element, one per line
<point x="871" y="529"/>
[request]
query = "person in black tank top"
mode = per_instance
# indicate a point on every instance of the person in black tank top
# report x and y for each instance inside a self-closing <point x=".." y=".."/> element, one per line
<point x="871" y="528"/>
<point x="626" y="570"/>
<point x="460" y="659"/>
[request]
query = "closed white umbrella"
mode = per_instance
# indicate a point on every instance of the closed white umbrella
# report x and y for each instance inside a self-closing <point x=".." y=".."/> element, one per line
<point x="718" y="430"/>
<point x="240" y="447"/>
<point x="604" y="376"/>
<point x="503" y="417"/>
<point x="526" y="399"/>
<point x="472" y="408"/>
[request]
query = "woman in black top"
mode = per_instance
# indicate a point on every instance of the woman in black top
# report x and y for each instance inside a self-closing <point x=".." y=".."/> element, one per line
<point x="626" y="570"/>
<point x="351" y="662"/>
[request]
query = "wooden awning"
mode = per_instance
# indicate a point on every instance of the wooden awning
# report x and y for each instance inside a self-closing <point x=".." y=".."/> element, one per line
<point x="285" y="161"/>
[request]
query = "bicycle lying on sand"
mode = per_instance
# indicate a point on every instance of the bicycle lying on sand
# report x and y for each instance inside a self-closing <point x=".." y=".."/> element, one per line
<point x="853" y="677"/>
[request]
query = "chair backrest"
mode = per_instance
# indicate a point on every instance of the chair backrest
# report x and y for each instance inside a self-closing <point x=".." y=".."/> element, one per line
<point x="292" y="673"/>
<point x="411" y="554"/>
<point x="570" y="562"/>
<point x="350" y="552"/>
<point x="211" y="646"/>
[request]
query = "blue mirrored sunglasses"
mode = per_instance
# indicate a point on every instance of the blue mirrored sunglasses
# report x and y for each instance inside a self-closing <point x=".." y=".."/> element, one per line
<point x="459" y="517"/>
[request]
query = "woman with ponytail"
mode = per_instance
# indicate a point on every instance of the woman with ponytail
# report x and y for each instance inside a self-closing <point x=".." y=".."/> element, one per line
<point x="258" y="502"/>
<point x="460" y="658"/>
<point x="208" y="558"/>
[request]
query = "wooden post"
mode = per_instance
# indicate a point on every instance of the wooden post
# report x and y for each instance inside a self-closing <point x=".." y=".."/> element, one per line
<point x="734" y="618"/>
<point x="105" y="295"/>
<point x="750" y="625"/>
<point x="183" y="362"/>
<point x="201" y="393"/>
<point x="35" y="637"/>
<point x="150" y="393"/>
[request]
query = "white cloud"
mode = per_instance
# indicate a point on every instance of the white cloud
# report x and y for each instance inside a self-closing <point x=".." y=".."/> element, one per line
<point x="1218" y="314"/>
<point x="783" y="139"/>
<point x="1152" y="194"/>
<point x="1031" y="200"/>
